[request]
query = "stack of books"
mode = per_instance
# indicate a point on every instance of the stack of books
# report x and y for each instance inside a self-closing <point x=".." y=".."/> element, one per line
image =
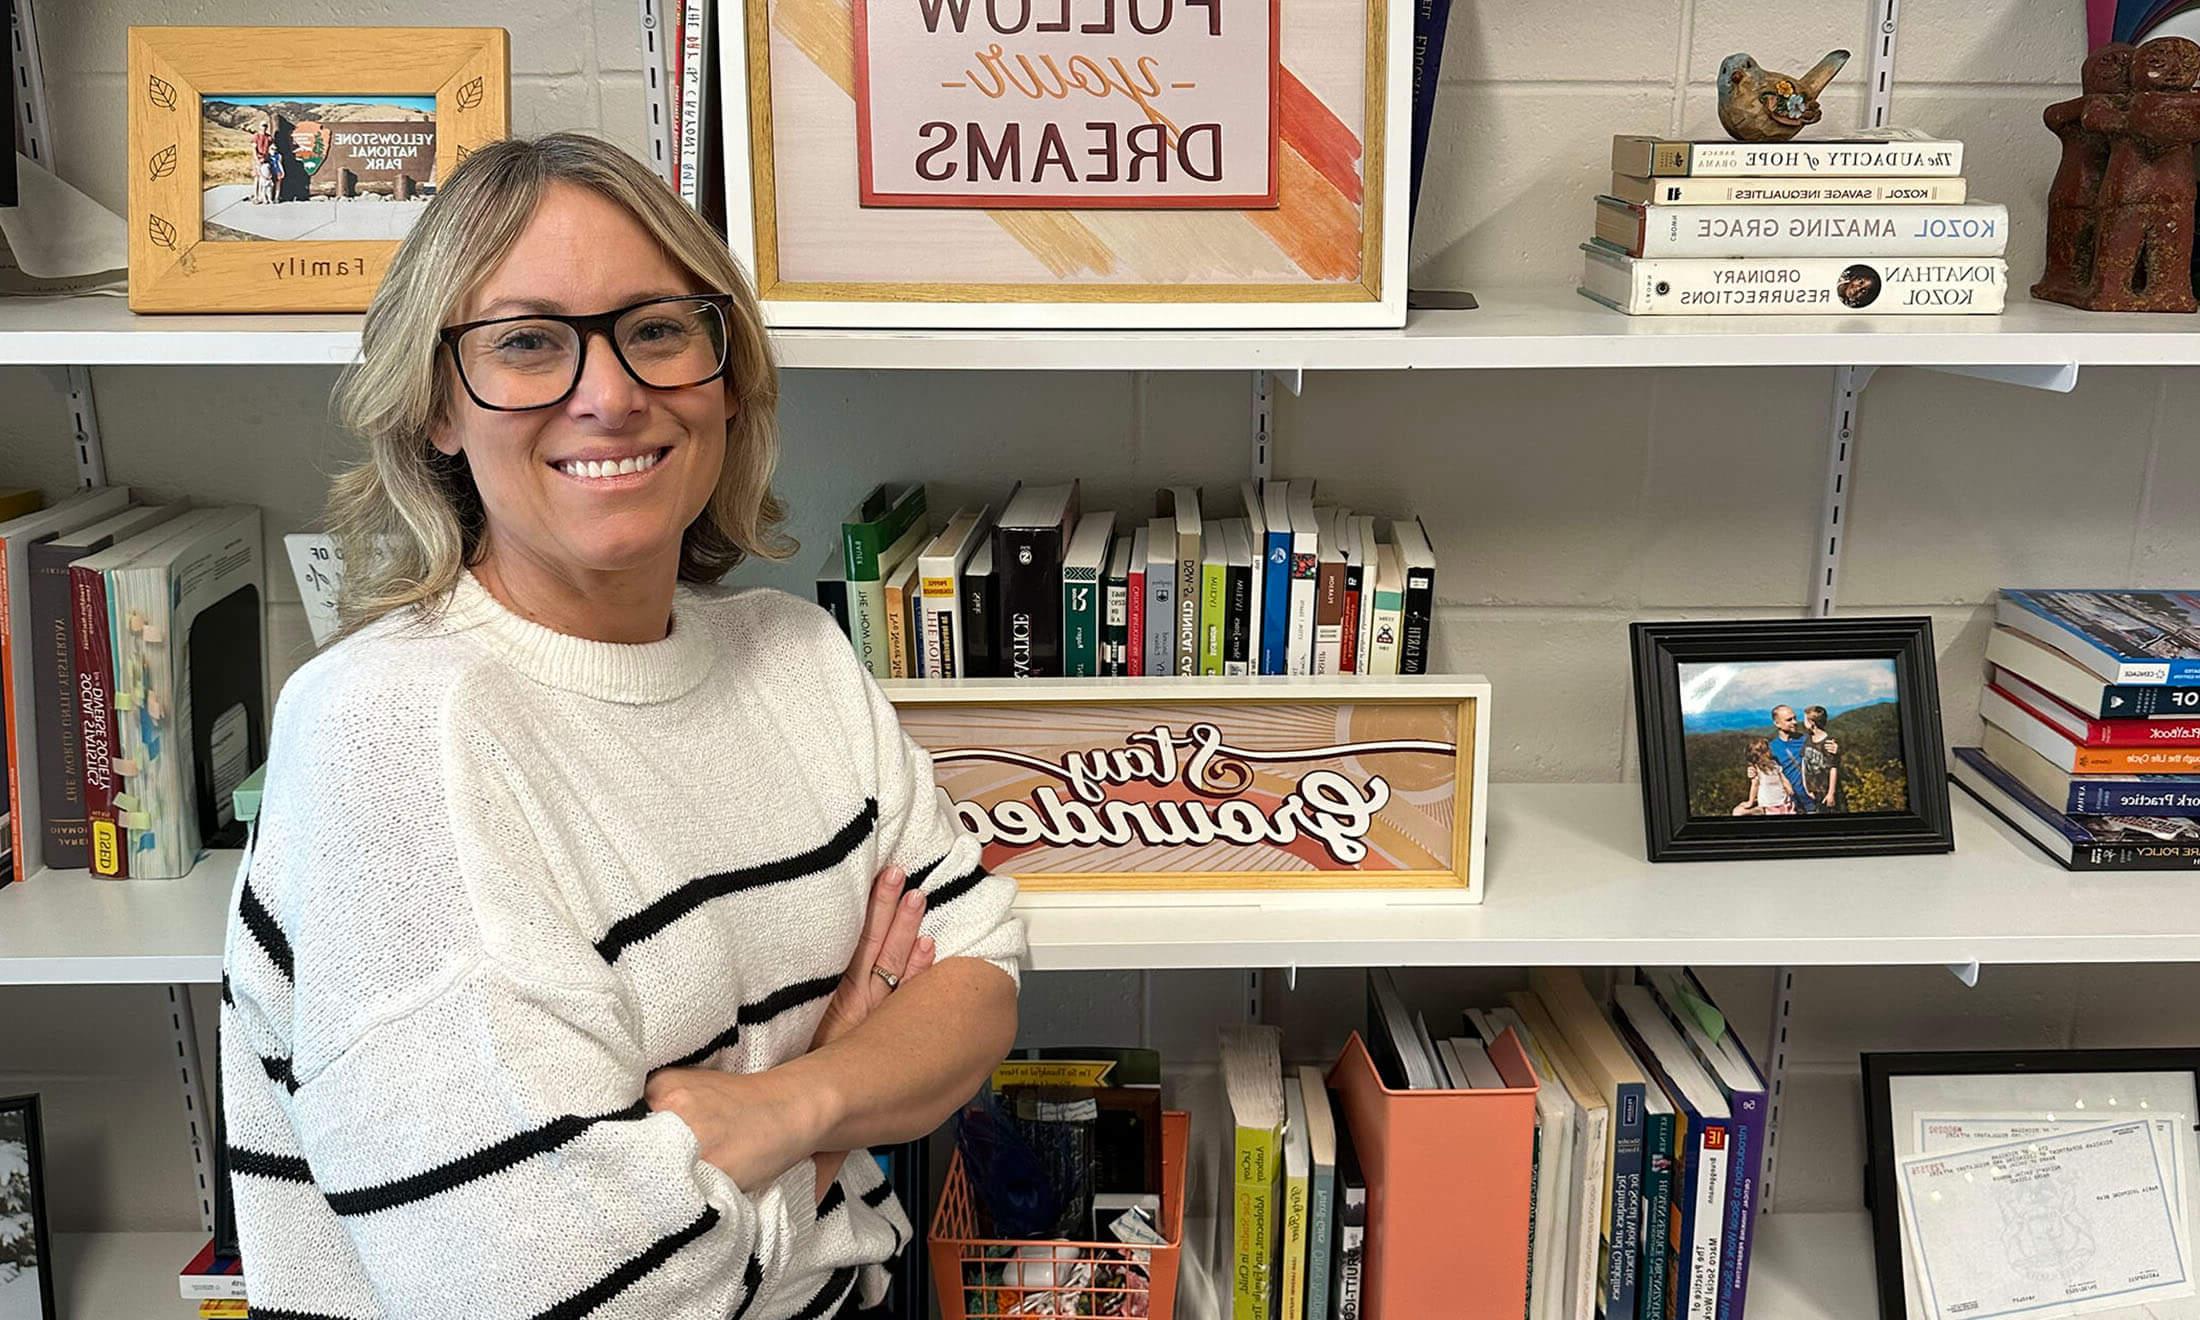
<point x="1258" y="580"/>
<point x="214" y="1280"/>
<point x="1637" y="1190"/>
<point x="1877" y="224"/>
<point x="2092" y="726"/>
<point x="133" y="680"/>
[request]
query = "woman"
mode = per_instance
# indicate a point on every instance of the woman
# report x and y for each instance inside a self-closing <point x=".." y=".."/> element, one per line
<point x="559" y="973"/>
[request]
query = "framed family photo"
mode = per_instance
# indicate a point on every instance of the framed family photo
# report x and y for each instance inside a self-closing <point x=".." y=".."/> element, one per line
<point x="26" y="1252"/>
<point x="276" y="169"/>
<point x="2033" y="1182"/>
<point x="1810" y="738"/>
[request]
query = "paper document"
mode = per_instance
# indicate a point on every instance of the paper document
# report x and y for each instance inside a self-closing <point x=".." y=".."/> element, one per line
<point x="2055" y="1224"/>
<point x="1940" y="1134"/>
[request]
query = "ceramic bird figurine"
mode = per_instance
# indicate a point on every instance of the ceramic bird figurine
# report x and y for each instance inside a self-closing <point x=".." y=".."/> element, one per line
<point x="1758" y="105"/>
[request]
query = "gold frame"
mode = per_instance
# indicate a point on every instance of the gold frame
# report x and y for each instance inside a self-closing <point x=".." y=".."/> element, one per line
<point x="770" y="288"/>
<point x="467" y="70"/>
<point x="915" y="694"/>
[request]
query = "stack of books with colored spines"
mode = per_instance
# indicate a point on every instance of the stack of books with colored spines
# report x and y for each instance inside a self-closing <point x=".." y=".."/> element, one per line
<point x="216" y="1282"/>
<point x="2092" y="726"/>
<point x="1265" y="581"/>
<point x="1875" y="224"/>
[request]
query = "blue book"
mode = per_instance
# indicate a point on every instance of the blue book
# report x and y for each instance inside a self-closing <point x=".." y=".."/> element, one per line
<point x="1430" y="19"/>
<point x="1689" y="1009"/>
<point x="1275" y="569"/>
<point x="2092" y="795"/>
<point x="2125" y="636"/>
<point x="1703" y="1150"/>
<point x="2080" y="843"/>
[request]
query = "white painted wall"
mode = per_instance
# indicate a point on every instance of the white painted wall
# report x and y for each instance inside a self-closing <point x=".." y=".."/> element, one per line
<point x="1564" y="504"/>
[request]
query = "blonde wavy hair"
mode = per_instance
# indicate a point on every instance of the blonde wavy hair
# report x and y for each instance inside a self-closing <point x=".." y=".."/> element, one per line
<point x="409" y="518"/>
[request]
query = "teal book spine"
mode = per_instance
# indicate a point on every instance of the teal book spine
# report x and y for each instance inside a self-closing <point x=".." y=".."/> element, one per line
<point x="1320" y="1239"/>
<point x="1080" y="624"/>
<point x="1653" y="1297"/>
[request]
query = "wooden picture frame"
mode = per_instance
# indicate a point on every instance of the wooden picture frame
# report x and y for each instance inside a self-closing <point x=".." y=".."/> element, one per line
<point x="1771" y="658"/>
<point x="177" y="266"/>
<point x="2076" y="1087"/>
<point x="1235" y="797"/>
<point x="1329" y="252"/>
<point x="20" y="1112"/>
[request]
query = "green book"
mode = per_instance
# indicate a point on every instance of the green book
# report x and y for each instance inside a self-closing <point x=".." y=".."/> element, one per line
<point x="1214" y="599"/>
<point x="1082" y="564"/>
<point x="876" y="535"/>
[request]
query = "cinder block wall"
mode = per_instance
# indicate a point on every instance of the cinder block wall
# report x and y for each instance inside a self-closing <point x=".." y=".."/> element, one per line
<point x="1563" y="504"/>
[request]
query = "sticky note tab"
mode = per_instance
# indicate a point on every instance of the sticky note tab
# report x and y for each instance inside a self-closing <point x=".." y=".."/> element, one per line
<point x="1701" y="1011"/>
<point x="126" y="701"/>
<point x="137" y="820"/>
<point x="124" y="766"/>
<point x="126" y="802"/>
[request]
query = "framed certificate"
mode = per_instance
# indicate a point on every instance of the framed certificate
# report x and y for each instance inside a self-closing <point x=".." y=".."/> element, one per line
<point x="2039" y="1184"/>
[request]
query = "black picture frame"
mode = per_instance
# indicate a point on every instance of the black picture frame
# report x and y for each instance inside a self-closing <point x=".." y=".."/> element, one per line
<point x="1673" y="835"/>
<point x="41" y="1238"/>
<point x="1880" y="1072"/>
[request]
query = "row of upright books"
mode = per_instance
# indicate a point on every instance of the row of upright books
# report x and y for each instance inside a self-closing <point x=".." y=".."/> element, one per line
<point x="2091" y="709"/>
<point x="1876" y="224"/>
<point x="132" y="644"/>
<point x="1559" y="1157"/>
<point x="1260" y="580"/>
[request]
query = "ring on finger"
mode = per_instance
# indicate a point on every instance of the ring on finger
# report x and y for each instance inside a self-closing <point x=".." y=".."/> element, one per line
<point x="892" y="979"/>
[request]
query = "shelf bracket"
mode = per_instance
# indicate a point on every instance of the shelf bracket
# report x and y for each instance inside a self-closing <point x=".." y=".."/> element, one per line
<point x="2061" y="377"/>
<point x="1848" y="389"/>
<point x="91" y="455"/>
<point x="1776" y="1070"/>
<point x="1264" y="425"/>
<point x="184" y="1035"/>
<point x="1966" y="972"/>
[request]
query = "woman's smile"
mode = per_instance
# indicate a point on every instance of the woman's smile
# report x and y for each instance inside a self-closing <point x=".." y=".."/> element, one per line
<point x="612" y="469"/>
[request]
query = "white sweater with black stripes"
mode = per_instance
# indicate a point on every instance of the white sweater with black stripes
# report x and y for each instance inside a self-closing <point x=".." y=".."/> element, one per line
<point x="502" y="875"/>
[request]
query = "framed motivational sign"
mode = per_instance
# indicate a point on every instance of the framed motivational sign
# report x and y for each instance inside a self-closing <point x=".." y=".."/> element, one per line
<point x="1214" y="784"/>
<point x="1069" y="163"/>
<point x="1150" y="104"/>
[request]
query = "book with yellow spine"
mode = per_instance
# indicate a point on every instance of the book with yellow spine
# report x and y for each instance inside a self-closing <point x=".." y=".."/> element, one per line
<point x="1296" y="1200"/>
<point x="1252" y="1076"/>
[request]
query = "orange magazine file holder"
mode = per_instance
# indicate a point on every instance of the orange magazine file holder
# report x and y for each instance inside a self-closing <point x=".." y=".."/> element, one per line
<point x="1449" y="1175"/>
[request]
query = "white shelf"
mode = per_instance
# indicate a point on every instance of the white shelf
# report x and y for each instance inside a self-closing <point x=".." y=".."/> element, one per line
<point x="1805" y="1267"/>
<point x="1568" y="886"/>
<point x="122" y="1276"/>
<point x="1516" y="327"/>
<point x="72" y="928"/>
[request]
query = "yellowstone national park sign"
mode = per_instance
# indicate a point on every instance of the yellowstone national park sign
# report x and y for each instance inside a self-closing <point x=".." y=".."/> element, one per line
<point x="1214" y="784"/>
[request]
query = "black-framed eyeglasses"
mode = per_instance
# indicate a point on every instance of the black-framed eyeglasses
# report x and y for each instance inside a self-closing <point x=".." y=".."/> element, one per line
<point x="520" y="363"/>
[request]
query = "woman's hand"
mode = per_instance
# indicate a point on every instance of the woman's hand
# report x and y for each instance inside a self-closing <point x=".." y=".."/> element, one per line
<point x="890" y="943"/>
<point x="752" y="1127"/>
